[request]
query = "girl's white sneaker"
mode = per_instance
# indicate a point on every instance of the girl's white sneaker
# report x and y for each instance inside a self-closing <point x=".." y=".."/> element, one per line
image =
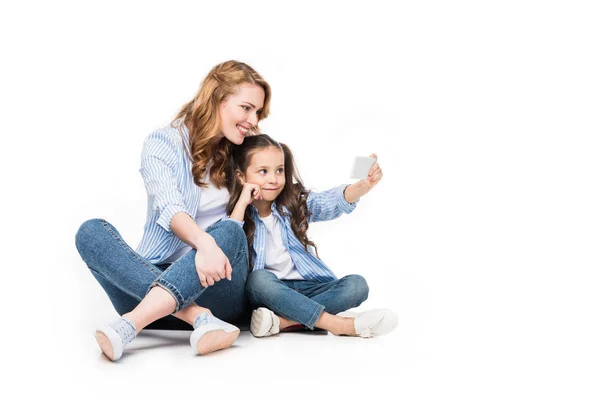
<point x="372" y="323"/>
<point x="264" y="322"/>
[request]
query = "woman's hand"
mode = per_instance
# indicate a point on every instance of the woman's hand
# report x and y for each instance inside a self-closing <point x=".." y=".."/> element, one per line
<point x="212" y="264"/>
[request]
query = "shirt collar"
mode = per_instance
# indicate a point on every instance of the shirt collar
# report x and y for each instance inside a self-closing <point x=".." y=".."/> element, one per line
<point x="255" y="213"/>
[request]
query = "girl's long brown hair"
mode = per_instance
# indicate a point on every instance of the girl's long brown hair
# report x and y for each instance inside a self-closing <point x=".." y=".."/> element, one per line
<point x="201" y="117"/>
<point x="293" y="196"/>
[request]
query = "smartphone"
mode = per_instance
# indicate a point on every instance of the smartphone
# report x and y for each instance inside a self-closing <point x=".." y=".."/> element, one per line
<point x="361" y="167"/>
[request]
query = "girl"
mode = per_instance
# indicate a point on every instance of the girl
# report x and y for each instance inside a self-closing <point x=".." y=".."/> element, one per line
<point x="191" y="261"/>
<point x="289" y="284"/>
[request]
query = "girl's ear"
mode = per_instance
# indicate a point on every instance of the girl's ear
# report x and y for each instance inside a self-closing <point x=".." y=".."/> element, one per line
<point x="240" y="176"/>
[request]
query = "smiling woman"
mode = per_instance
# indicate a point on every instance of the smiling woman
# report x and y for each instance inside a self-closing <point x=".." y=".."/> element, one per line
<point x="239" y="114"/>
<point x="192" y="261"/>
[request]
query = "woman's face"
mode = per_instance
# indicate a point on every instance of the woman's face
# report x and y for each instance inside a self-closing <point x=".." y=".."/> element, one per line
<point x="266" y="169"/>
<point x="240" y="111"/>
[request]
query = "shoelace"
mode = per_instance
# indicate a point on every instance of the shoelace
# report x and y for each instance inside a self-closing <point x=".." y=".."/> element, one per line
<point x="125" y="329"/>
<point x="201" y="319"/>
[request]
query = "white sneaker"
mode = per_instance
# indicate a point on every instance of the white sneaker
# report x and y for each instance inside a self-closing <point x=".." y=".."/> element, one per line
<point x="372" y="323"/>
<point x="110" y="342"/>
<point x="264" y="322"/>
<point x="212" y="334"/>
<point x="113" y="338"/>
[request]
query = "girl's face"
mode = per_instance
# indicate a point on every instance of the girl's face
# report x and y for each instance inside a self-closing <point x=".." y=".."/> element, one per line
<point x="266" y="169"/>
<point x="240" y="111"/>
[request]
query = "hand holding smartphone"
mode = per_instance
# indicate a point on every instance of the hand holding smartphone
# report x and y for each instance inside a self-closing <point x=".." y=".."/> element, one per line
<point x="361" y="167"/>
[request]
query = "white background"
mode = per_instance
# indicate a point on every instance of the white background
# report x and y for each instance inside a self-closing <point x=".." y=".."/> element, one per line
<point x="483" y="235"/>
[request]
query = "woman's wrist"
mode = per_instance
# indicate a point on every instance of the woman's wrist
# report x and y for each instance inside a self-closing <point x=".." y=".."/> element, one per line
<point x="203" y="241"/>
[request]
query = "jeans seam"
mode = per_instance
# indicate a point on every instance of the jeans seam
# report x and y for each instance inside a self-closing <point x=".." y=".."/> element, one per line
<point x="126" y="247"/>
<point x="135" y="296"/>
<point x="237" y="256"/>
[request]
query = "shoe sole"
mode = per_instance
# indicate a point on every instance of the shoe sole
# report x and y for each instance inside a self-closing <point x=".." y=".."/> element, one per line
<point x="216" y="340"/>
<point x="105" y="345"/>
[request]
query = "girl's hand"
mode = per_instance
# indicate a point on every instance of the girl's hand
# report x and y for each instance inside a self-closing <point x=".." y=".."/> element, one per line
<point x="375" y="173"/>
<point x="250" y="192"/>
<point x="358" y="189"/>
<point x="212" y="264"/>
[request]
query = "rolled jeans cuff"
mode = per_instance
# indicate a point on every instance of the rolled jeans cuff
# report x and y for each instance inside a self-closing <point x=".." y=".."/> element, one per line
<point x="172" y="290"/>
<point x="313" y="320"/>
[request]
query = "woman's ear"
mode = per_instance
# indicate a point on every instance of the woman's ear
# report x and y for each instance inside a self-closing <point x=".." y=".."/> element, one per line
<point x="240" y="176"/>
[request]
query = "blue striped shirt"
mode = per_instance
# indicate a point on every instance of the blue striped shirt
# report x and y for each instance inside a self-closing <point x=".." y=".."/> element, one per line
<point x="322" y="206"/>
<point x="167" y="173"/>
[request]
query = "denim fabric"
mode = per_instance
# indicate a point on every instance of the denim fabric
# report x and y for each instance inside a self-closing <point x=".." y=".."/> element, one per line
<point x="126" y="277"/>
<point x="303" y="301"/>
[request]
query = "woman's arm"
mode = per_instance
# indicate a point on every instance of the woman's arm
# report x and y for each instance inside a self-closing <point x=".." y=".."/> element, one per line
<point x="160" y="156"/>
<point x="188" y="231"/>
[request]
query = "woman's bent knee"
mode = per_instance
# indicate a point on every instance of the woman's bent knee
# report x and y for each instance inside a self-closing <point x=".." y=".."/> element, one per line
<point x="87" y="235"/>
<point x="230" y="237"/>
<point x="229" y="234"/>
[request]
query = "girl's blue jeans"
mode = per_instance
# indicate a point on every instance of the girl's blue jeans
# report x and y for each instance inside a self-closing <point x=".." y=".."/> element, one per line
<point x="126" y="277"/>
<point x="304" y="301"/>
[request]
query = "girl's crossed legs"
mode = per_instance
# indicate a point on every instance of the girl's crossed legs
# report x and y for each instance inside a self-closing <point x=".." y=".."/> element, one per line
<point x="310" y="303"/>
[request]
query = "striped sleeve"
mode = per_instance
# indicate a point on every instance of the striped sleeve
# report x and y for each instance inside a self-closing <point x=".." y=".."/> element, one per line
<point x="328" y="205"/>
<point x="159" y="160"/>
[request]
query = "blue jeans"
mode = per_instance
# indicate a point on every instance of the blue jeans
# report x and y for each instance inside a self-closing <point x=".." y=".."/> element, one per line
<point x="126" y="277"/>
<point x="304" y="301"/>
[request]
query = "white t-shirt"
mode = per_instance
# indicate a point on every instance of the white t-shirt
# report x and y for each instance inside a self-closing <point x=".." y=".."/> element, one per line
<point x="212" y="207"/>
<point x="277" y="258"/>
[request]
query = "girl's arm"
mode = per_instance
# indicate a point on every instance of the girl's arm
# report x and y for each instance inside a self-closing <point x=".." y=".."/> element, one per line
<point x="331" y="203"/>
<point x="250" y="192"/>
<point x="328" y="205"/>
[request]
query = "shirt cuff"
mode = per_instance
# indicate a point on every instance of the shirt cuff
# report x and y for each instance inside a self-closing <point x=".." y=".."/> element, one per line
<point x="341" y="201"/>
<point x="166" y="215"/>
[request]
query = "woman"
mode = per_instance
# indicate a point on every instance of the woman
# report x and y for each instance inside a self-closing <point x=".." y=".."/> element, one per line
<point x="192" y="261"/>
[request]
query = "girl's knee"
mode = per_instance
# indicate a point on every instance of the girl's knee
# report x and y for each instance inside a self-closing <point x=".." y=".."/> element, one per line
<point x="260" y="281"/>
<point x="357" y="287"/>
